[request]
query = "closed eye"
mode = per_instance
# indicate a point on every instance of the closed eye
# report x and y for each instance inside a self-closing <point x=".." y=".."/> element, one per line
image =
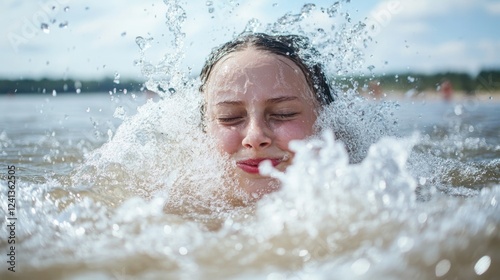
<point x="230" y="120"/>
<point x="284" y="116"/>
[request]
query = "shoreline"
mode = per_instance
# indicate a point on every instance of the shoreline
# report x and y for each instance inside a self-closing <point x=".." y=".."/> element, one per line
<point x="457" y="96"/>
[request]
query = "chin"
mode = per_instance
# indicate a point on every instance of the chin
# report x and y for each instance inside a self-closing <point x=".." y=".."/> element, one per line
<point x="256" y="188"/>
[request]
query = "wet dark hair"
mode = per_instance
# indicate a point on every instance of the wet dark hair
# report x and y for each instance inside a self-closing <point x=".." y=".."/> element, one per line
<point x="294" y="47"/>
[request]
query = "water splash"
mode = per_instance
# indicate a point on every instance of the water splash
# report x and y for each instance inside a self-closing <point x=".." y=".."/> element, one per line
<point x="165" y="74"/>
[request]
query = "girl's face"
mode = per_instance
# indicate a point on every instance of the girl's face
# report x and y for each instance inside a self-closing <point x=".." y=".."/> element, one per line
<point x="256" y="103"/>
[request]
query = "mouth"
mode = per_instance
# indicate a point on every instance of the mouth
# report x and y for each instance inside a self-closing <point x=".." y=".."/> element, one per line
<point x="252" y="165"/>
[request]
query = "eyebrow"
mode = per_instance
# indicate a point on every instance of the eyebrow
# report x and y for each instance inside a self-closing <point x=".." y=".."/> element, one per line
<point x="228" y="102"/>
<point x="281" y="99"/>
<point x="271" y="101"/>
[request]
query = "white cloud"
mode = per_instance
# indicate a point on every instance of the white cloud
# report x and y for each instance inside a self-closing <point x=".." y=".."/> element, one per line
<point x="493" y="8"/>
<point x="412" y="38"/>
<point x="412" y="9"/>
<point x="488" y="50"/>
<point x="93" y="37"/>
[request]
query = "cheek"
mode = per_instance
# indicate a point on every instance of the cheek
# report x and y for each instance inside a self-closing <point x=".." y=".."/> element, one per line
<point x="228" y="140"/>
<point x="293" y="131"/>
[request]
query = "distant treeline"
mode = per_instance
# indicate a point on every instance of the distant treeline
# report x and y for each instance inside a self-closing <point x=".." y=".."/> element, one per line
<point x="67" y="86"/>
<point x="486" y="80"/>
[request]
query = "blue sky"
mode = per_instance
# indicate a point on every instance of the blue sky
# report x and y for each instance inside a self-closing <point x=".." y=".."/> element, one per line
<point x="92" y="39"/>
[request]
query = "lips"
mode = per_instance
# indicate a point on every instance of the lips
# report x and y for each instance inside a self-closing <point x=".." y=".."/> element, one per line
<point x="252" y="165"/>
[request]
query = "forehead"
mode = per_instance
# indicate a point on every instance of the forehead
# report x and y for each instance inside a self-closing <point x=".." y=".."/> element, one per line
<point x="256" y="66"/>
<point x="251" y="57"/>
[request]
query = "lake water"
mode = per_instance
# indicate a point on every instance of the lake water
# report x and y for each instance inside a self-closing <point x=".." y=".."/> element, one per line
<point x="406" y="190"/>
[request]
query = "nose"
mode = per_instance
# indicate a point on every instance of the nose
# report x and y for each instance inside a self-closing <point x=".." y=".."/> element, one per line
<point x="257" y="135"/>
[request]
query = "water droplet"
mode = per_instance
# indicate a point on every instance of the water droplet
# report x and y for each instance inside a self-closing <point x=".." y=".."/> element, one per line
<point x="138" y="62"/>
<point x="360" y="267"/>
<point x="252" y="25"/>
<point x="442" y="267"/>
<point x="116" y="80"/>
<point x="63" y="24"/>
<point x="422" y="180"/>
<point x="45" y="28"/>
<point x="88" y="109"/>
<point x="371" y="67"/>
<point x="209" y="3"/>
<point x="143" y="43"/>
<point x="405" y="244"/>
<point x="119" y="113"/>
<point x="332" y="11"/>
<point x="54" y="92"/>
<point x="183" y="251"/>
<point x="386" y="199"/>
<point x="288" y="19"/>
<point x="422" y="218"/>
<point x="280" y="251"/>
<point x="482" y="265"/>
<point x="275" y="4"/>
<point x="307" y="8"/>
<point x="66" y="8"/>
<point x="167" y="229"/>
<point x="211" y="9"/>
<point x="171" y="90"/>
<point x="491" y="229"/>
<point x="382" y="185"/>
<point x="458" y="110"/>
<point x="123" y="34"/>
<point x="80" y="231"/>
<point x="148" y="69"/>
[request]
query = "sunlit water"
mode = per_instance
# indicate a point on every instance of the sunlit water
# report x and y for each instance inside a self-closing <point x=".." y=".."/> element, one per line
<point x="387" y="190"/>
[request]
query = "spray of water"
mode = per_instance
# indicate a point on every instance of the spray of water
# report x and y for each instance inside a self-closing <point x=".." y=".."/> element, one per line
<point x="359" y="202"/>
